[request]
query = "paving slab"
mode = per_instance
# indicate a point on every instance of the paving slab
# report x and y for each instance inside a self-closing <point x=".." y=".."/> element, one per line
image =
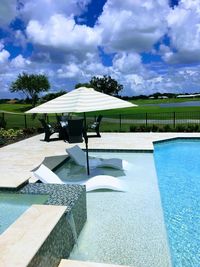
<point x="21" y="241"/>
<point x="70" y="263"/>
<point x="18" y="159"/>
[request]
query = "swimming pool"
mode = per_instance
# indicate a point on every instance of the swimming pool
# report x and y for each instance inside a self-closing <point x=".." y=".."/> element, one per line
<point x="13" y="205"/>
<point x="122" y="227"/>
<point x="178" y="171"/>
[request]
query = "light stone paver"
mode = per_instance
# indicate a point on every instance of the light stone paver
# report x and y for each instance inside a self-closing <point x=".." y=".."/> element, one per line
<point x="20" y="242"/>
<point x="18" y="159"/>
<point x="70" y="263"/>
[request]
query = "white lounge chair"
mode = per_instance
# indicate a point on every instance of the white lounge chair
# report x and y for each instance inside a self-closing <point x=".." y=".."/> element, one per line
<point x="45" y="175"/>
<point x="104" y="182"/>
<point x="78" y="155"/>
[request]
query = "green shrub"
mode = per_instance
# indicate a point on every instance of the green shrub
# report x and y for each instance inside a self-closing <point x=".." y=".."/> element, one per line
<point x="192" y="128"/>
<point x="168" y="128"/>
<point x="29" y="131"/>
<point x="2" y="141"/>
<point x="133" y="128"/>
<point x="180" y="128"/>
<point x="165" y="128"/>
<point x="155" y="128"/>
<point x="10" y="135"/>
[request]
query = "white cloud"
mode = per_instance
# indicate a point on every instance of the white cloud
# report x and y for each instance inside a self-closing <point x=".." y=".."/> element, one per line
<point x="8" y="11"/>
<point x="68" y="52"/>
<point x="184" y="23"/>
<point x="4" y="56"/>
<point x="64" y="34"/>
<point x="133" y="25"/>
<point x="84" y="71"/>
<point x="42" y="10"/>
<point x="20" y="62"/>
<point x="70" y="71"/>
<point x="127" y="62"/>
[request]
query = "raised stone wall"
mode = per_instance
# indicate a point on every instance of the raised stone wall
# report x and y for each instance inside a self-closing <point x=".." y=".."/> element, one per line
<point x="61" y="240"/>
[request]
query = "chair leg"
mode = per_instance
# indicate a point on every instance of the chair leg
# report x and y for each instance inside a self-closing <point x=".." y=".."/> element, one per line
<point x="97" y="132"/>
<point x="47" y="137"/>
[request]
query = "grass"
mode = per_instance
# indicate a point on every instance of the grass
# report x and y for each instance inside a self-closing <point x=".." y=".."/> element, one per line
<point x="141" y="108"/>
<point x="141" y="112"/>
<point x="164" y="101"/>
<point x="18" y="108"/>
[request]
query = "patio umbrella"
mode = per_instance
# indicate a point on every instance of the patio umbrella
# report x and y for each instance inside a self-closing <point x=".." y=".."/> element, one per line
<point x="81" y="100"/>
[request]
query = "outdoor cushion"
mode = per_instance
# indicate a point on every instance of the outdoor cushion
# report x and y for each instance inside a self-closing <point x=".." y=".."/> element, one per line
<point x="63" y="123"/>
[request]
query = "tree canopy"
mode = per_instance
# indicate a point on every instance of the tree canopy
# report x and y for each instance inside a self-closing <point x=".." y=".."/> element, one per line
<point x="88" y="85"/>
<point x="105" y="84"/>
<point x="51" y="96"/>
<point x="30" y="85"/>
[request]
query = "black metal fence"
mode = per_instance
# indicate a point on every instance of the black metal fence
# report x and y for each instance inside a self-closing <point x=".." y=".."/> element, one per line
<point x="119" y="122"/>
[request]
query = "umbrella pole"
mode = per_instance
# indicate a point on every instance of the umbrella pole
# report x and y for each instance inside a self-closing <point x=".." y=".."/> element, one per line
<point x="86" y="145"/>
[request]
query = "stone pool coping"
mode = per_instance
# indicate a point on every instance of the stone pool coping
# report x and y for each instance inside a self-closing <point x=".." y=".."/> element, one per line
<point x="18" y="159"/>
<point x="72" y="263"/>
<point x="72" y="201"/>
<point x="20" y="242"/>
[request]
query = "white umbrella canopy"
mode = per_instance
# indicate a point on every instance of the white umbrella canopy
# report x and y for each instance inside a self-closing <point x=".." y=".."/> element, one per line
<point x="81" y="100"/>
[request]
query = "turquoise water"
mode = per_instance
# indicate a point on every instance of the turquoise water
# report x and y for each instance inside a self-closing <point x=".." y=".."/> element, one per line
<point x="13" y="205"/>
<point x="70" y="172"/>
<point x="124" y="228"/>
<point x="178" y="170"/>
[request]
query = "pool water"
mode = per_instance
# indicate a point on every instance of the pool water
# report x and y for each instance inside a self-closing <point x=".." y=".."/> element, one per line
<point x="122" y="227"/>
<point x="13" y="205"/>
<point x="178" y="170"/>
<point x="72" y="173"/>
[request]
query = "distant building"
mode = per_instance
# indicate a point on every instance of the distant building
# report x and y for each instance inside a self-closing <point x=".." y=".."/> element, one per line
<point x="185" y="96"/>
<point x="12" y="101"/>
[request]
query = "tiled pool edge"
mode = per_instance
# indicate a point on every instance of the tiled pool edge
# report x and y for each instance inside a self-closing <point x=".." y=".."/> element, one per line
<point x="60" y="241"/>
<point x="120" y="150"/>
<point x="58" y="245"/>
<point x="174" y="139"/>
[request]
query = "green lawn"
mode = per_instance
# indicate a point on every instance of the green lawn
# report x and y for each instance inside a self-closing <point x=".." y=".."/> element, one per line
<point x="18" y="108"/>
<point x="164" y="101"/>
<point x="21" y="108"/>
<point x="141" y="112"/>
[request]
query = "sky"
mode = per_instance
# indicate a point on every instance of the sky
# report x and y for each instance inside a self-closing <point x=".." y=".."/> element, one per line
<point x="148" y="46"/>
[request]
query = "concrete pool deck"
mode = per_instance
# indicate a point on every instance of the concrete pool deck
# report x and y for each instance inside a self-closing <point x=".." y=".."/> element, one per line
<point x="18" y="159"/>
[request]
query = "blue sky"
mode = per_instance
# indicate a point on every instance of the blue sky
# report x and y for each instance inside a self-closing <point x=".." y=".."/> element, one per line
<point x="146" y="45"/>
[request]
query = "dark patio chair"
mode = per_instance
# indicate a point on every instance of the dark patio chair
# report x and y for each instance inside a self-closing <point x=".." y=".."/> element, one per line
<point x="48" y="129"/>
<point x="62" y="122"/>
<point x="75" y="130"/>
<point x="96" y="125"/>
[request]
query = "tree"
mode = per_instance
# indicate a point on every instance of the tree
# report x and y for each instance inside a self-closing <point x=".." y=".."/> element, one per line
<point x="82" y="85"/>
<point x="106" y="85"/>
<point x="51" y="96"/>
<point x="31" y="85"/>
